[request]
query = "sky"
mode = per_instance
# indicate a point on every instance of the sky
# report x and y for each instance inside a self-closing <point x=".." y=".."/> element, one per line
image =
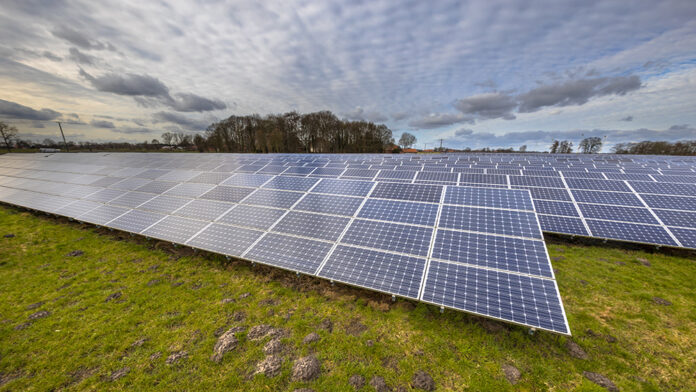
<point x="465" y="73"/>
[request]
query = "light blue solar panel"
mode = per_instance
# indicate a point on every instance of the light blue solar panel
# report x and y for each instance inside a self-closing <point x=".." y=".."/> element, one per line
<point x="510" y="254"/>
<point x="618" y="213"/>
<point x="381" y="271"/>
<point x="486" y="220"/>
<point x="106" y="195"/>
<point x="136" y="221"/>
<point x="132" y="199"/>
<point x="228" y="240"/>
<point x="291" y="183"/>
<point x="251" y="216"/>
<point x="343" y="187"/>
<point x="273" y="198"/>
<point x="230" y="194"/>
<point x="562" y="208"/>
<point x="175" y="229"/>
<point x="207" y="210"/>
<point x="298" y="170"/>
<point x="77" y="208"/>
<point x="408" y="192"/>
<point x="511" y="297"/>
<point x="562" y="224"/>
<point x="188" y="189"/>
<point x="517" y="199"/>
<point x="250" y="180"/>
<point x="604" y="197"/>
<point x="102" y="215"/>
<point x="324" y="227"/>
<point x="399" y="211"/>
<point x="164" y="204"/>
<point x="630" y="232"/>
<point x="389" y="236"/>
<point x="293" y="253"/>
<point x="329" y="204"/>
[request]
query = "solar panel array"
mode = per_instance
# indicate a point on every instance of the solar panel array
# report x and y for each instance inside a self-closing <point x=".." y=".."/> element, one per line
<point x="412" y="233"/>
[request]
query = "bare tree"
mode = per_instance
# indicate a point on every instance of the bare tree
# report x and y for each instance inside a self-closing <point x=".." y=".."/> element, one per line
<point x="407" y="140"/>
<point x="523" y="148"/>
<point x="566" y="147"/>
<point x="8" y="133"/>
<point x="554" y="147"/>
<point x="591" y="145"/>
<point x="167" y="138"/>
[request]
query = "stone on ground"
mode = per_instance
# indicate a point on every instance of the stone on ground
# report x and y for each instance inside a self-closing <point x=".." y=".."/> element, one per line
<point x="512" y="374"/>
<point x="601" y="380"/>
<point x="356" y="381"/>
<point x="311" y="338"/>
<point x="575" y="350"/>
<point x="270" y="366"/>
<point x="306" y="369"/>
<point x="422" y="380"/>
<point x="226" y="342"/>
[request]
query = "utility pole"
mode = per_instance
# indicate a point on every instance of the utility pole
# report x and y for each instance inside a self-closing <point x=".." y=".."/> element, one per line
<point x="62" y="134"/>
<point x="440" y="145"/>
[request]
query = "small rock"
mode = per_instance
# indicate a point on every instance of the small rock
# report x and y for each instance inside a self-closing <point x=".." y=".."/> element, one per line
<point x="113" y="296"/>
<point x="306" y="369"/>
<point x="326" y="324"/>
<point x="357" y="381"/>
<point x="227" y="301"/>
<point x="75" y="253"/>
<point x="611" y="339"/>
<point x="9" y="236"/>
<point x="176" y="356"/>
<point x="226" y="342"/>
<point x="311" y="338"/>
<point x="661" y="301"/>
<point x="119" y="373"/>
<point x="139" y="342"/>
<point x="274" y="346"/>
<point x="378" y="384"/>
<point x="155" y="356"/>
<point x="23" y="326"/>
<point x="583" y="282"/>
<point x="35" y="305"/>
<point x="511" y="373"/>
<point x="645" y="262"/>
<point x="422" y="380"/>
<point x="575" y="350"/>
<point x="259" y="332"/>
<point x="242" y="296"/>
<point x="558" y="258"/>
<point x="370" y="343"/>
<point x="601" y="380"/>
<point x="270" y="366"/>
<point x="153" y="282"/>
<point x="39" y="315"/>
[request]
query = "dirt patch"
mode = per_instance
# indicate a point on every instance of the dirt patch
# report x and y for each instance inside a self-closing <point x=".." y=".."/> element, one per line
<point x="139" y="342"/>
<point x="326" y="324"/>
<point x="75" y="253"/>
<point x="155" y="356"/>
<point x="259" y="332"/>
<point x="356" y="381"/>
<point x="113" y="296"/>
<point x="116" y="374"/>
<point x="35" y="305"/>
<point x="39" y="315"/>
<point x="23" y="326"/>
<point x="493" y="326"/>
<point x="306" y="369"/>
<point x="270" y="366"/>
<point x="355" y="327"/>
<point x="390" y="362"/>
<point x="512" y="374"/>
<point x="643" y="261"/>
<point x="79" y="374"/>
<point x="7" y="377"/>
<point x="177" y="284"/>
<point x="311" y="338"/>
<point x="575" y="350"/>
<point x="227" y="301"/>
<point x="153" y="282"/>
<point x="176" y="357"/>
<point x="274" y="346"/>
<point x="242" y="296"/>
<point x="238" y="316"/>
<point x="379" y="384"/>
<point x="379" y="305"/>
<point x="268" y="302"/>
<point x="226" y="342"/>
<point x="422" y="380"/>
<point x="601" y="380"/>
<point x="661" y="301"/>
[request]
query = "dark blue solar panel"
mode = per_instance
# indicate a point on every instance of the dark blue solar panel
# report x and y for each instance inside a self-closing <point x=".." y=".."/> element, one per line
<point x="687" y="237"/>
<point x="389" y="236"/>
<point x="546" y="182"/>
<point x="227" y="193"/>
<point x="135" y="221"/>
<point x="381" y="271"/>
<point x="482" y="179"/>
<point x="203" y="209"/>
<point x="511" y="297"/>
<point x="517" y="199"/>
<point x="224" y="239"/>
<point x="562" y="208"/>
<point x="632" y="176"/>
<point x="486" y="220"/>
<point x="343" y="187"/>
<point x="295" y="254"/>
<point x="272" y="170"/>
<point x="598" y="185"/>
<point x="299" y="170"/>
<point x="604" y="197"/>
<point x="324" y="227"/>
<point x="409" y="192"/>
<point x="549" y="194"/>
<point x="327" y="172"/>
<point x="664" y="188"/>
<point x="250" y="180"/>
<point x="670" y="202"/>
<point x="399" y="211"/>
<point x="684" y="178"/>
<point x="273" y="198"/>
<point x="582" y="174"/>
<point x="626" y="214"/>
<point x="677" y="218"/>
<point x="360" y="173"/>
<point x="396" y="174"/>
<point x="329" y="204"/>
<point x="562" y="224"/>
<point x="630" y="232"/>
<point x="250" y="216"/>
<point x="291" y="183"/>
<point x="511" y="254"/>
<point x="211" y="178"/>
<point x="437" y="176"/>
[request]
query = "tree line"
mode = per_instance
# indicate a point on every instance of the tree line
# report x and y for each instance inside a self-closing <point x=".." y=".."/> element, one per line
<point x="687" y="147"/>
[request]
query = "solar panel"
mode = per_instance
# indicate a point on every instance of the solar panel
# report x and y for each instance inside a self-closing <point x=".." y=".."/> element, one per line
<point x="175" y="229"/>
<point x="662" y="188"/>
<point x="486" y="220"/>
<point x="188" y="189"/>
<point x="561" y="208"/>
<point x="408" y="192"/>
<point x="158" y="187"/>
<point x="605" y="197"/>
<point x="102" y="215"/>
<point x="164" y="204"/>
<point x="649" y="234"/>
<point x="301" y="184"/>
<point x="399" y="211"/>
<point x="346" y="188"/>
<point x="273" y="198"/>
<point x="324" y="227"/>
<point x="132" y="199"/>
<point x="228" y="240"/>
<point x="686" y="237"/>
<point x="677" y="218"/>
<point x="670" y="202"/>
<point x="562" y="224"/>
<point x="395" y="237"/>
<point x="227" y="193"/>
<point x="293" y="253"/>
<point x="329" y="204"/>
<point x="203" y="209"/>
<point x="489" y="197"/>
<point x="135" y="221"/>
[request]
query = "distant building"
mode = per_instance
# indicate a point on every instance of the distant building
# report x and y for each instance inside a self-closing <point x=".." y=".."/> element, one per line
<point x="409" y="150"/>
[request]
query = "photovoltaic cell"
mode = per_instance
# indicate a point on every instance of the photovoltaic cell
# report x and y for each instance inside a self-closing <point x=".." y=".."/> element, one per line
<point x="102" y="215"/>
<point x="485" y="220"/>
<point x="684" y="203"/>
<point x="550" y="194"/>
<point x="228" y="240"/>
<point x="381" y="271"/>
<point x="664" y="188"/>
<point x="345" y="188"/>
<point x="210" y="178"/>
<point x="293" y="253"/>
<point x="489" y="197"/>
<point x="555" y="208"/>
<point x="253" y="217"/>
<point x="227" y="193"/>
<point x="132" y="199"/>
<point x="130" y="184"/>
<point x="598" y="185"/>
<point x="545" y="182"/>
<point x="617" y="213"/>
<point x="604" y="197"/>
<point x="408" y="192"/>
<point x="175" y="229"/>
<point x="399" y="211"/>
<point x="324" y="227"/>
<point x="77" y="208"/>
<point x="157" y="187"/>
<point x="677" y="218"/>
<point x="482" y="179"/>
<point x="207" y="210"/>
<point x="511" y="297"/>
<point x="164" y="204"/>
<point x="413" y="240"/>
<point x="301" y="184"/>
<point x="562" y="224"/>
<point x="687" y="237"/>
<point x="273" y="198"/>
<point x="437" y="176"/>
<point x="189" y="189"/>
<point x="329" y="204"/>
<point x="630" y="232"/>
<point x="135" y="221"/>
<point x="105" y="195"/>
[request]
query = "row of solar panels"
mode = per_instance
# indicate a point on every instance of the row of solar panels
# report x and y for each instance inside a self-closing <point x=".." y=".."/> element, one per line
<point x="629" y="209"/>
<point x="474" y="249"/>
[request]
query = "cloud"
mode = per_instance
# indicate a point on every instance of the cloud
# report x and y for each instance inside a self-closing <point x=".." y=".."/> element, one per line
<point x="437" y="120"/>
<point x="463" y="132"/>
<point x="15" y="110"/>
<point x="186" y="122"/>
<point x="133" y="130"/>
<point x="627" y="118"/>
<point x="81" y="58"/>
<point x="78" y="39"/>
<point x="102" y="124"/>
<point x="488" y="106"/>
<point x="128" y="84"/>
<point x="576" y="92"/>
<point x="51" y="56"/>
<point x="187" y="102"/>
<point x="398" y="116"/>
<point x="360" y="114"/>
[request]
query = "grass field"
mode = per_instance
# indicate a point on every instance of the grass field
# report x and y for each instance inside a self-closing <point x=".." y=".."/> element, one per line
<point x="128" y="314"/>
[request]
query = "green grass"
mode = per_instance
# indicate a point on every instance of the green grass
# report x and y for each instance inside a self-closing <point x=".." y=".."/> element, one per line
<point x="85" y="339"/>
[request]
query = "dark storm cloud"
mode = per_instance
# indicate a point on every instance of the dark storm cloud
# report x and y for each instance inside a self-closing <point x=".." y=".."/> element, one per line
<point x="437" y="120"/>
<point x="488" y="106"/>
<point x="81" y="58"/>
<point x="463" y="132"/>
<point x="102" y="124"/>
<point x="175" y="118"/>
<point x="576" y="92"/>
<point x="15" y="110"/>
